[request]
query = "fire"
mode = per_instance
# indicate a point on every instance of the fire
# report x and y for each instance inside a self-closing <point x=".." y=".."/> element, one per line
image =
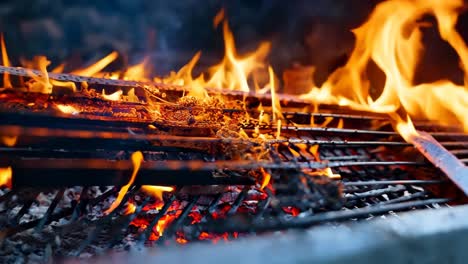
<point x="391" y="38"/>
<point x="95" y="68"/>
<point x="406" y="128"/>
<point x="266" y="178"/>
<point x="5" y="177"/>
<point x="156" y="191"/>
<point x="130" y="209"/>
<point x="9" y="141"/>
<point x="137" y="159"/>
<point x="6" y="62"/>
<point x="116" y="96"/>
<point x="234" y="71"/>
<point x="67" y="109"/>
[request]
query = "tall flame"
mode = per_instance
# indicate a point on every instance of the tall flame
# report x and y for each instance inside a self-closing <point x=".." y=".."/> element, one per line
<point x="391" y="38"/>
<point x="137" y="159"/>
<point x="6" y="62"/>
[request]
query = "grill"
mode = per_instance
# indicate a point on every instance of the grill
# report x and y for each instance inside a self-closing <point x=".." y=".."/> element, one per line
<point x="68" y="170"/>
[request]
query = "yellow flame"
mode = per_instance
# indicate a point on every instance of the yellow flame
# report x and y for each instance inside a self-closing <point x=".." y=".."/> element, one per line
<point x="6" y="175"/>
<point x="266" y="178"/>
<point x="391" y="38"/>
<point x="137" y="159"/>
<point x="405" y="128"/>
<point x="67" y="109"/>
<point x="6" y="62"/>
<point x="156" y="191"/>
<point x="275" y="103"/>
<point x="138" y="72"/>
<point x="234" y="71"/>
<point x="98" y="66"/>
<point x="116" y="96"/>
<point x="130" y="209"/>
<point x="278" y="129"/>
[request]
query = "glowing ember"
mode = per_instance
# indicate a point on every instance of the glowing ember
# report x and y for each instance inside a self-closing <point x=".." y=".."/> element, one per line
<point x="67" y="109"/>
<point x="130" y="209"/>
<point x="137" y="159"/>
<point x="291" y="210"/>
<point x="6" y="175"/>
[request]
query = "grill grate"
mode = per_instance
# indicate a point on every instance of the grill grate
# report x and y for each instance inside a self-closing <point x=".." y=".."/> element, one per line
<point x="378" y="177"/>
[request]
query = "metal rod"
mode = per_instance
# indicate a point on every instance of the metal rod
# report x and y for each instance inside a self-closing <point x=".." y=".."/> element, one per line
<point x="392" y="182"/>
<point x="101" y="172"/>
<point x="230" y="225"/>
<point x="51" y="209"/>
<point x="454" y="168"/>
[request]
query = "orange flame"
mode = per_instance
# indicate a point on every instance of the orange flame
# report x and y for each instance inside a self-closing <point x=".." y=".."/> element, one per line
<point x="234" y="71"/>
<point x="9" y="141"/>
<point x="156" y="191"/>
<point x="137" y="159"/>
<point x="116" y="96"/>
<point x="391" y="38"/>
<point x="6" y="62"/>
<point x="98" y="66"/>
<point x="6" y="175"/>
<point x="266" y="178"/>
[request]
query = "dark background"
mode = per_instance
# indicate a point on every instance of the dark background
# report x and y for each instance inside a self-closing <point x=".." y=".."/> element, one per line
<point x="310" y="32"/>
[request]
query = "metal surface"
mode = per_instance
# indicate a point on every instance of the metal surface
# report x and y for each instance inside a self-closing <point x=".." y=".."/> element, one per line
<point x="442" y="158"/>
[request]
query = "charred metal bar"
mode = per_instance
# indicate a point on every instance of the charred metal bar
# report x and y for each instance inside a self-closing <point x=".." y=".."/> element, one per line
<point x="119" y="228"/>
<point x="151" y="87"/>
<point x="99" y="172"/>
<point x="98" y="225"/>
<point x="335" y="143"/>
<point x="371" y="116"/>
<point x="177" y="223"/>
<point x="391" y="182"/>
<point x="51" y="209"/>
<point x="441" y="158"/>
<point x="374" y="193"/>
<point x="230" y="225"/>
<point x="407" y="198"/>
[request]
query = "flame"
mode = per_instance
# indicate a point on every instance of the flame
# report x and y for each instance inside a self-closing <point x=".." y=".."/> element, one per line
<point x="6" y="175"/>
<point x="138" y="72"/>
<point x="266" y="178"/>
<point x="275" y="103"/>
<point x="9" y="141"/>
<point x="6" y="62"/>
<point x="391" y="38"/>
<point x="130" y="208"/>
<point x="116" y="96"/>
<point x="137" y="159"/>
<point x="405" y="128"/>
<point x="156" y="191"/>
<point x="234" y="71"/>
<point x="67" y="109"/>
<point x="98" y="66"/>
<point x="219" y="18"/>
